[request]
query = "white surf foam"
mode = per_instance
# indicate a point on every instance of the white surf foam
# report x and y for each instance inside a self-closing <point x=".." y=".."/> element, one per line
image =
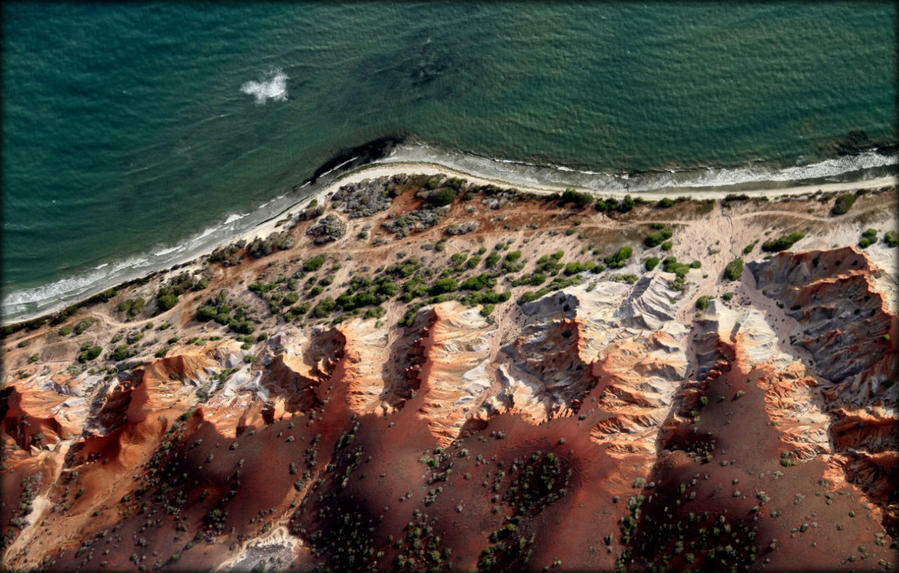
<point x="525" y="173"/>
<point x="28" y="303"/>
<point x="272" y="86"/>
<point x="234" y="217"/>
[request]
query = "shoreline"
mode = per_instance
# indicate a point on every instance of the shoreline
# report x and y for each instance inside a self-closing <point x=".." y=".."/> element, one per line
<point x="386" y="167"/>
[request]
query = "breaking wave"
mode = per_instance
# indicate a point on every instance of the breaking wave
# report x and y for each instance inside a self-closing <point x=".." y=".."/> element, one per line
<point x="865" y="165"/>
<point x="32" y="302"/>
<point x="272" y="86"/>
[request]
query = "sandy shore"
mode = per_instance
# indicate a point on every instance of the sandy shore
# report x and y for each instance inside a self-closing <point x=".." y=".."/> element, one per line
<point x="388" y="168"/>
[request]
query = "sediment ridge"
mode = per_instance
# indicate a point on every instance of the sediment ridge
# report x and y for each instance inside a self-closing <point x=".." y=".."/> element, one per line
<point x="417" y="368"/>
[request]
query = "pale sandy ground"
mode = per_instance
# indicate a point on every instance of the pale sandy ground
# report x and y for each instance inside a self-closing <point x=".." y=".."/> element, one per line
<point x="388" y="168"/>
<point x="376" y="170"/>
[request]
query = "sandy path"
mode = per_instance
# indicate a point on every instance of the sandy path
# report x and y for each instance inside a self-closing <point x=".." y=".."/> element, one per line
<point x="387" y="169"/>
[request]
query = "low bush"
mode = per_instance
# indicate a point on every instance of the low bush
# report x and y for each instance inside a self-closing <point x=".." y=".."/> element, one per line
<point x="324" y="308"/>
<point x="314" y="263"/>
<point x="122" y="352"/>
<point x="375" y="312"/>
<point x="651" y="263"/>
<point x="442" y="197"/>
<point x="83" y="325"/>
<point x="734" y="269"/>
<point x="782" y="243"/>
<point x="671" y="265"/>
<point x="891" y="238"/>
<point x="702" y="303"/>
<point x="619" y="259"/>
<point x="579" y="267"/>
<point x="843" y="203"/>
<point x="444" y="285"/>
<point x="613" y="205"/>
<point x="511" y="262"/>
<point x="656" y="238"/>
<point x="869" y="237"/>
<point x="664" y="203"/>
<point x="579" y="200"/>
<point x="89" y="352"/>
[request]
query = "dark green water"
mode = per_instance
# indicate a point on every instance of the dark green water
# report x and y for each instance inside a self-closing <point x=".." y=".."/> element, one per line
<point x="126" y="132"/>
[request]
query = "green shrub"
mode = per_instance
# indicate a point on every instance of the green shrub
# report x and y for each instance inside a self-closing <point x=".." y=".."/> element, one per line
<point x="242" y="326"/>
<point x="104" y="296"/>
<point x="444" y="285"/>
<point x="89" y="352"/>
<point x="166" y="299"/>
<point x="375" y="312"/>
<point x="441" y="197"/>
<point x="122" y="352"/>
<point x="206" y="313"/>
<point x="550" y="265"/>
<point x="477" y="282"/>
<point x="748" y="248"/>
<point x="578" y="267"/>
<point x="656" y="238"/>
<point x="734" y="269"/>
<point x="609" y="205"/>
<point x="324" y="308"/>
<point x="651" y="263"/>
<point x="843" y="203"/>
<point x="702" y="303"/>
<point x="664" y="203"/>
<point x="869" y="237"/>
<point x="619" y="259"/>
<point x="487" y="309"/>
<point x="580" y="200"/>
<point x="260" y="288"/>
<point x="511" y="262"/>
<point x="491" y="260"/>
<point x="65" y="331"/>
<point x="891" y="238"/>
<point x="83" y="325"/>
<point x="671" y="265"/>
<point x="314" y="263"/>
<point x="667" y="245"/>
<point x="782" y="243"/>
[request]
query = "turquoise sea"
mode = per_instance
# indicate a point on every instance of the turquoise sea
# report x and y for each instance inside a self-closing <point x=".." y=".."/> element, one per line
<point x="136" y="135"/>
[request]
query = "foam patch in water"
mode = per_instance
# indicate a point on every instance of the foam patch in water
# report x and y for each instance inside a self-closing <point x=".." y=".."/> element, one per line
<point x="270" y="87"/>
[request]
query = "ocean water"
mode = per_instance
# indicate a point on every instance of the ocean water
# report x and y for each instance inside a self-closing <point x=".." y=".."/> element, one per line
<point x="135" y="135"/>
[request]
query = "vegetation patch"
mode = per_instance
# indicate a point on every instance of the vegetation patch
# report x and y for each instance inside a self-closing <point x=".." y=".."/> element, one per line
<point x="734" y="269"/>
<point x="619" y="259"/>
<point x="843" y="203"/>
<point x="782" y="243"/>
<point x="869" y="237"/>
<point x="657" y="237"/>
